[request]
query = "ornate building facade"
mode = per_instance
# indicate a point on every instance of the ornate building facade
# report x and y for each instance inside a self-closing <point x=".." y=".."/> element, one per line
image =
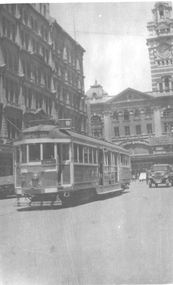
<point x="41" y="70"/>
<point x="142" y="122"/>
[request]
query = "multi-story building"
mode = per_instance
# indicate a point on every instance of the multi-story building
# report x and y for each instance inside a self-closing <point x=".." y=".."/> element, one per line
<point x="139" y="121"/>
<point x="41" y="70"/>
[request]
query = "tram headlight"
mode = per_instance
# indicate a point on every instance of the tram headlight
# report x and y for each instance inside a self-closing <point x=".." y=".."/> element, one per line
<point x="35" y="176"/>
<point x="35" y="179"/>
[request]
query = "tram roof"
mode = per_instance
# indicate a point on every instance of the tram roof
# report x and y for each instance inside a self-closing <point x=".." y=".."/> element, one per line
<point x="55" y="132"/>
<point x="52" y="130"/>
<point x="101" y="143"/>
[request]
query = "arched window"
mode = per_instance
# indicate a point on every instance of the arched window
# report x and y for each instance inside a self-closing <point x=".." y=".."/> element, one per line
<point x="126" y="115"/>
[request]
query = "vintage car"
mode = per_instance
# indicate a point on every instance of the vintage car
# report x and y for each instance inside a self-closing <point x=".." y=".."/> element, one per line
<point x="160" y="174"/>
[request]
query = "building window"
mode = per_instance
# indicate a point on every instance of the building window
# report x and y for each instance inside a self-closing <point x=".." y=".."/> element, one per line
<point x="115" y="115"/>
<point x="149" y="128"/>
<point x="11" y="91"/>
<point x="25" y="17"/>
<point x="8" y="29"/>
<point x="161" y="12"/>
<point x="116" y="131"/>
<point x="42" y="32"/>
<point x="44" y="7"/>
<point x="37" y="47"/>
<point x="41" y="8"/>
<point x="13" y="32"/>
<point x="47" y="56"/>
<point x="16" y="64"/>
<point x="148" y="112"/>
<point x="29" y="98"/>
<point x="28" y="70"/>
<point x="3" y="26"/>
<point x="46" y="34"/>
<point x="26" y="41"/>
<point x="10" y="61"/>
<point x="32" y="23"/>
<point x="161" y="87"/>
<point x="13" y="9"/>
<point x="127" y="130"/>
<point x="166" y="127"/>
<point x="33" y="45"/>
<point x="36" y="26"/>
<point x="126" y="115"/>
<point x="138" y="129"/>
<point x="167" y="84"/>
<point x="137" y="113"/>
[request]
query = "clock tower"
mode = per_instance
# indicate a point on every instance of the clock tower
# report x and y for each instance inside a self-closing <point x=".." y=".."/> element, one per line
<point x="160" y="47"/>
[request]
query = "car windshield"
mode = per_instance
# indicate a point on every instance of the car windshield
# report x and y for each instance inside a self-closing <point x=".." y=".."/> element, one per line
<point x="159" y="168"/>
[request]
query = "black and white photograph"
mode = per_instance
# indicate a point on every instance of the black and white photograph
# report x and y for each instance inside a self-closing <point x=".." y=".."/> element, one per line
<point x="86" y="143"/>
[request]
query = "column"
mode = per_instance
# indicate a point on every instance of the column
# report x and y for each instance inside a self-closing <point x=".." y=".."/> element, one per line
<point x="157" y="122"/>
<point x="107" y="127"/>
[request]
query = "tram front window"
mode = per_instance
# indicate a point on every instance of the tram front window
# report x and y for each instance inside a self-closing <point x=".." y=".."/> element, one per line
<point x="66" y="152"/>
<point x="48" y="150"/>
<point x="34" y="152"/>
<point x="23" y="149"/>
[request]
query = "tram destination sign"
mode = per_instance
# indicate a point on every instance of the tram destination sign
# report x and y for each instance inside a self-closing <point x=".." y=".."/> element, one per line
<point x="36" y="135"/>
<point x="48" y="162"/>
<point x="65" y="124"/>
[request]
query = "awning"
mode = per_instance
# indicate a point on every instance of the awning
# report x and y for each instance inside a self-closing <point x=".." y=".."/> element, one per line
<point x="12" y="114"/>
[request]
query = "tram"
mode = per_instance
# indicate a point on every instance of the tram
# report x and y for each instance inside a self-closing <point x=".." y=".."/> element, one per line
<point x="53" y="165"/>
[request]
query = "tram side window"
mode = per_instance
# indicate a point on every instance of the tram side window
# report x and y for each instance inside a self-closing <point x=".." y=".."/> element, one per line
<point x="122" y="159"/>
<point x="90" y="155"/>
<point x="65" y="151"/>
<point x="23" y="150"/>
<point x="80" y="153"/>
<point x="95" y="155"/>
<point x="115" y="158"/>
<point x="75" y="153"/>
<point x="48" y="150"/>
<point x="17" y="154"/>
<point x="86" y="154"/>
<point x="34" y="152"/>
<point x="109" y="158"/>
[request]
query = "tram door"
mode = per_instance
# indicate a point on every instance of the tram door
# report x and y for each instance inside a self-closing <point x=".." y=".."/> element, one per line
<point x="59" y="153"/>
<point x="63" y="152"/>
<point x="100" y="162"/>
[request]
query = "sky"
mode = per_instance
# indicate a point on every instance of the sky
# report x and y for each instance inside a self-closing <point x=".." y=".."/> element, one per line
<point x="113" y="35"/>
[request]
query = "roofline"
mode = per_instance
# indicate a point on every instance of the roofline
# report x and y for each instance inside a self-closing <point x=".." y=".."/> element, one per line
<point x="53" y="21"/>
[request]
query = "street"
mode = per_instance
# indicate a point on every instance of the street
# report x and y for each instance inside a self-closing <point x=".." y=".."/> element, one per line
<point x="118" y="239"/>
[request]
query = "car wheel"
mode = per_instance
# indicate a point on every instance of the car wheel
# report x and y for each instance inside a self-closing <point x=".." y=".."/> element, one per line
<point x="149" y="184"/>
<point x="167" y="183"/>
<point x="156" y="185"/>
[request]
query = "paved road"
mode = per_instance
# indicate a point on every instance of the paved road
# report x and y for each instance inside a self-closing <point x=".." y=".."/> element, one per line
<point x="125" y="239"/>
